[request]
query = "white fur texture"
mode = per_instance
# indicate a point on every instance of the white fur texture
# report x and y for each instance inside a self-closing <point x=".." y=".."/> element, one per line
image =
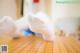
<point x="7" y="26"/>
<point x="38" y="22"/>
<point x="21" y="24"/>
<point x="42" y="23"/>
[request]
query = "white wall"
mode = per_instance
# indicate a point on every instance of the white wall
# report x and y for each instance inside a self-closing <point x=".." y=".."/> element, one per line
<point x="67" y="24"/>
<point x="8" y="8"/>
<point x="65" y="10"/>
<point x="29" y="6"/>
<point x="65" y="16"/>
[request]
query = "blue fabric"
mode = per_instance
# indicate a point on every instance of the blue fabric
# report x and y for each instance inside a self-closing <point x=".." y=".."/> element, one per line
<point x="28" y="32"/>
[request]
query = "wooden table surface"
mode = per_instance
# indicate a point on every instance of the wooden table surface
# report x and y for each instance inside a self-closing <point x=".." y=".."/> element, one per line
<point x="34" y="44"/>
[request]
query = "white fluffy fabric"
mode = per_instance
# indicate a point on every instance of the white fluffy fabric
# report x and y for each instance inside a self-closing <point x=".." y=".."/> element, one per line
<point x="41" y="22"/>
<point x="21" y="25"/>
<point x="36" y="22"/>
<point x="7" y="26"/>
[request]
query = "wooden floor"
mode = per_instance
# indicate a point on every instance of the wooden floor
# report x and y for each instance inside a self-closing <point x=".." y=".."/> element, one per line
<point x="34" y="44"/>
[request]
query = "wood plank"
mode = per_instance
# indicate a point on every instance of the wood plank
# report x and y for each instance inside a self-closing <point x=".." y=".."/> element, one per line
<point x="62" y="47"/>
<point x="48" y="47"/>
<point x="30" y="45"/>
<point x="34" y="44"/>
<point x="74" y="45"/>
<point x="56" y="48"/>
<point x="68" y="46"/>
